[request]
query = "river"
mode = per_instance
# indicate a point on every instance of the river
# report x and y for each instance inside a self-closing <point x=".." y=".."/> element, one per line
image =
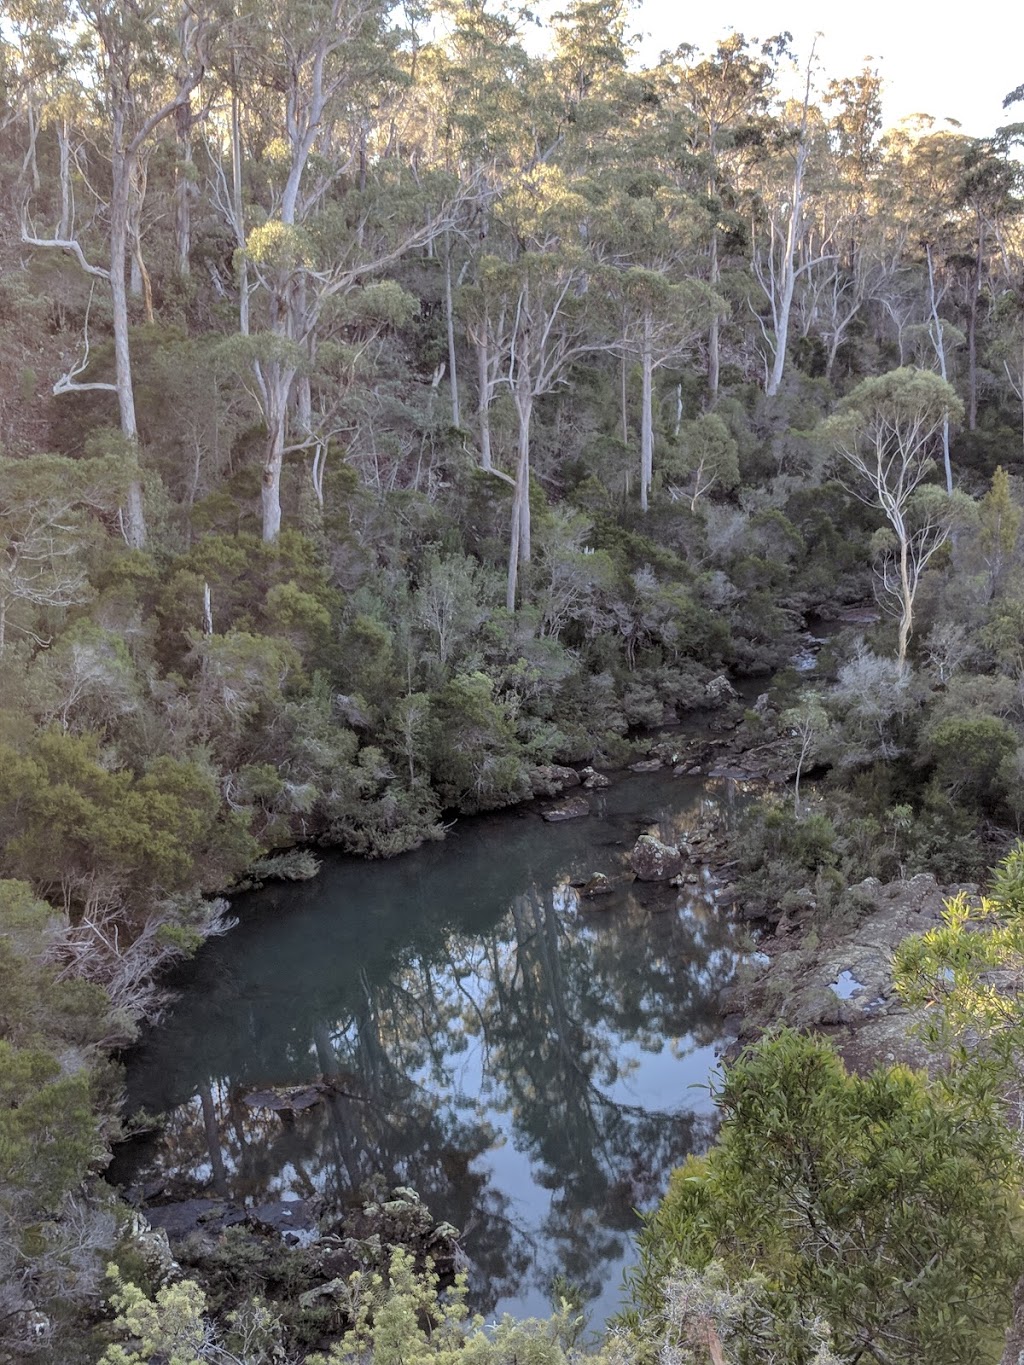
<point x="533" y="1064"/>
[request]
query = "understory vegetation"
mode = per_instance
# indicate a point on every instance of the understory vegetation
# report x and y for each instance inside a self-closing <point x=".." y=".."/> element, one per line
<point x="390" y="414"/>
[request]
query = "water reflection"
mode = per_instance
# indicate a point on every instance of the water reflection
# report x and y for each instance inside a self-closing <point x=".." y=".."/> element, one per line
<point x="519" y="1058"/>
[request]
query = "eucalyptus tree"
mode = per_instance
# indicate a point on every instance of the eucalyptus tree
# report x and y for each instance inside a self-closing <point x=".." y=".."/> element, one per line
<point x="786" y="248"/>
<point x="924" y="184"/>
<point x="343" y="203"/>
<point x="143" y="61"/>
<point x="886" y="432"/>
<point x="846" y="276"/>
<point x="661" y="321"/>
<point x="546" y="305"/>
<point x="726" y="96"/>
<point x="648" y="234"/>
<point x="46" y="527"/>
<point x="987" y="197"/>
<point x="478" y="94"/>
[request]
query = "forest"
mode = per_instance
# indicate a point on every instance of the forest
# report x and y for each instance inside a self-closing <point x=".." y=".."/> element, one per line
<point x="398" y="405"/>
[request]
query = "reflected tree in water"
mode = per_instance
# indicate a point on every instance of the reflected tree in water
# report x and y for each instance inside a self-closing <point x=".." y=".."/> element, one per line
<point x="442" y="1041"/>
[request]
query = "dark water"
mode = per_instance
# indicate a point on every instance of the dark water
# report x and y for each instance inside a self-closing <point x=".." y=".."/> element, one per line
<point x="532" y="1064"/>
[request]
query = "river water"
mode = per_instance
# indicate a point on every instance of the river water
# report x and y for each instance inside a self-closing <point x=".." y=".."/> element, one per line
<point x="531" y="1063"/>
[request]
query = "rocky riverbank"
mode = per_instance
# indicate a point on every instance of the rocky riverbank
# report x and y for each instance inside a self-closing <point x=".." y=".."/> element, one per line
<point x="834" y="975"/>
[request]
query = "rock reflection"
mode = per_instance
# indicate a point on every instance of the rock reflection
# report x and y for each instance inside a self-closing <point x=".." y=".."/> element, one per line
<point x="524" y="1071"/>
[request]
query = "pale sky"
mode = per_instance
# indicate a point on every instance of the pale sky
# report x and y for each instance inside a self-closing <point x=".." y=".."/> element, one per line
<point x="935" y="59"/>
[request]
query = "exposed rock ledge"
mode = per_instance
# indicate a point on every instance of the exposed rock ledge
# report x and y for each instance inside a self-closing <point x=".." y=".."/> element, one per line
<point x="803" y="973"/>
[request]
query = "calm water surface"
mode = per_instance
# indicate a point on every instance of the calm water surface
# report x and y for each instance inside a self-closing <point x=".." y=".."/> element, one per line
<point x="532" y="1064"/>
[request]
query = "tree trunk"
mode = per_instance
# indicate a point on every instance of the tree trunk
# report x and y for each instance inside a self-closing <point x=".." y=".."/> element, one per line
<point x="939" y="343"/>
<point x="714" y="344"/>
<point x="239" y="213"/>
<point x="519" y="538"/>
<point x="646" y="414"/>
<point x="66" y="200"/>
<point x="906" y="605"/>
<point x="183" y="194"/>
<point x="794" y="235"/>
<point x="449" y="319"/>
<point x="972" y="335"/>
<point x="785" y="302"/>
<point x="30" y="162"/>
<point x="483" y="409"/>
<point x="278" y="388"/>
<point x="623" y="404"/>
<point x="135" y="524"/>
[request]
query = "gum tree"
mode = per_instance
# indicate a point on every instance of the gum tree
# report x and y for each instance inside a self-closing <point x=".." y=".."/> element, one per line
<point x="144" y="62"/>
<point x="886" y="431"/>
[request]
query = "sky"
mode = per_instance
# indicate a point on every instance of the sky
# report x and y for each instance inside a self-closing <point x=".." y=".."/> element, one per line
<point x="949" y="63"/>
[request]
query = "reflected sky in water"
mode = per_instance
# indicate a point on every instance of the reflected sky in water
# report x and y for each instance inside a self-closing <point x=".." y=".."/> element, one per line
<point x="532" y="1064"/>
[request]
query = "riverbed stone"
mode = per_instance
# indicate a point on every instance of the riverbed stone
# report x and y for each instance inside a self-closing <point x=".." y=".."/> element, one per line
<point x="646" y="765"/>
<point x="595" y="781"/>
<point x="549" y="779"/>
<point x="653" y="861"/>
<point x="570" y="809"/>
<point x="597" y="885"/>
<point x="719" y="691"/>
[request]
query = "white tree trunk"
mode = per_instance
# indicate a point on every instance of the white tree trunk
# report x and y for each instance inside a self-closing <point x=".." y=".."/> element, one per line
<point x="784" y="304"/>
<point x="714" y="342"/>
<point x="939" y="343"/>
<point x="483" y="410"/>
<point x="278" y="388"/>
<point x="646" y="413"/>
<point x="135" y="523"/>
<point x="520" y="530"/>
<point x="449" y="319"/>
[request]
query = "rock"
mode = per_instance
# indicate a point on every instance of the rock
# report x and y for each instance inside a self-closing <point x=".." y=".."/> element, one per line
<point x="594" y="781"/>
<point x="551" y="778"/>
<point x="182" y="1217"/>
<point x="653" y="861"/>
<point x="570" y="809"/>
<point x="151" y="1243"/>
<point x="764" y="707"/>
<point x="286" y="1101"/>
<point x="37" y="1325"/>
<point x="646" y="765"/>
<point x="351" y="712"/>
<point x="597" y="885"/>
<point x="719" y="691"/>
<point x="332" y="1290"/>
<point x="284" y="1215"/>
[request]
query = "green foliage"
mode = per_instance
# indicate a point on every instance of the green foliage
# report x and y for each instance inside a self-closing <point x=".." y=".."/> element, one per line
<point x="173" y="1327"/>
<point x="474" y="759"/>
<point x="402" y="1318"/>
<point x="76" y="829"/>
<point x="877" y="1204"/>
<point x="48" y="1133"/>
<point x="967" y="753"/>
<point x="966" y="975"/>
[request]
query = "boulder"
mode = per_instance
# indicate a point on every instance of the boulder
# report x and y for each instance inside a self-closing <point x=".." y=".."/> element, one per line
<point x="570" y="809"/>
<point x="646" y="765"/>
<point x="597" y="885"/>
<point x="551" y="778"/>
<point x="653" y="861"/>
<point x="594" y="781"/>
<point x="719" y="691"/>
